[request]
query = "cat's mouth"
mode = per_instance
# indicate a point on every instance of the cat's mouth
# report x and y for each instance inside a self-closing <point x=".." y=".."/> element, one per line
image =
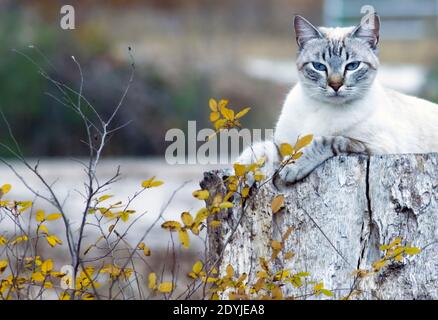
<point x="338" y="97"/>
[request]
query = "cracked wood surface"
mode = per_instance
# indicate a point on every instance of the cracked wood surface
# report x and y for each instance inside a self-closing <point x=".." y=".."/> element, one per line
<point x="340" y="214"/>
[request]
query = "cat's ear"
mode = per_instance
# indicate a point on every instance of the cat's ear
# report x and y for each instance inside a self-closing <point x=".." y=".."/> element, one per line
<point x="305" y="31"/>
<point x="369" y="30"/>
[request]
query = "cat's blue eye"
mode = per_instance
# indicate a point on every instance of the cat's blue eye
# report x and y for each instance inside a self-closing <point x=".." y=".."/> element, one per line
<point x="352" y="66"/>
<point x="319" y="66"/>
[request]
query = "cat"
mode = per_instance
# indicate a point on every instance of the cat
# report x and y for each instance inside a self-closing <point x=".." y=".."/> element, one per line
<point x="339" y="100"/>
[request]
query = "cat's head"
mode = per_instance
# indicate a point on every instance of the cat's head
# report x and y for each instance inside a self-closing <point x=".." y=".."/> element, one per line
<point x="337" y="65"/>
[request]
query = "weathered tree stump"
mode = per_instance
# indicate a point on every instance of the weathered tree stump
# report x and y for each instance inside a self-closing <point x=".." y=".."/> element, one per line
<point x="341" y="214"/>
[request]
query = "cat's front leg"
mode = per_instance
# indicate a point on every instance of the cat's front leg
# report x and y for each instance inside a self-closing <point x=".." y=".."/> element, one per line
<point x="321" y="149"/>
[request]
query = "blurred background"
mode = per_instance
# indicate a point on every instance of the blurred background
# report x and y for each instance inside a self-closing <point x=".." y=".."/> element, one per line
<point x="185" y="52"/>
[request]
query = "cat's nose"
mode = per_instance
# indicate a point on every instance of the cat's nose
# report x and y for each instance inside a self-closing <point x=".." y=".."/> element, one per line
<point x="336" y="85"/>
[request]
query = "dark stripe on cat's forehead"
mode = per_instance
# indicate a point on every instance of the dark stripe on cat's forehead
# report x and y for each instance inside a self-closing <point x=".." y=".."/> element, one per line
<point x="336" y="47"/>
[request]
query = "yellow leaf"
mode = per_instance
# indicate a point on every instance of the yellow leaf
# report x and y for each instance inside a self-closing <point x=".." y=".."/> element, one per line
<point x="379" y="265"/>
<point x="259" y="176"/>
<point x="165" y="287"/>
<point x="214" y="296"/>
<point x="197" y="267"/>
<point x="184" y="238"/>
<point x="318" y="286"/>
<point x="88" y="296"/>
<point x="213" y="105"/>
<point x="64" y="296"/>
<point x="226" y="205"/>
<point x="104" y="197"/>
<point x="286" y="150"/>
<point x="412" y="250"/>
<point x="187" y="219"/>
<point x="394" y="243"/>
<point x="201" y="215"/>
<point x="3" y="265"/>
<point x="245" y="192"/>
<point x="326" y="292"/>
<point x="5" y="189"/>
<point x="124" y="215"/>
<point x="239" y="169"/>
<point x="171" y="225"/>
<point x="151" y="183"/>
<point x="3" y="241"/>
<point x="195" y="229"/>
<point x="297" y="155"/>
<point x="229" y="271"/>
<point x="242" y="113"/>
<point x="398" y="257"/>
<point x="214" y="116"/>
<point x="222" y="104"/>
<point x="53" y="240"/>
<point x="277" y="203"/>
<point x="219" y="124"/>
<point x="39" y="216"/>
<point x="152" y="280"/>
<point x="38" y="277"/>
<point x="24" y="206"/>
<point x="47" y="266"/>
<point x="201" y="194"/>
<point x="304" y="141"/>
<point x="231" y="187"/>
<point x="227" y="113"/>
<point x="155" y="184"/>
<point x="19" y="239"/>
<point x="147" y="251"/>
<point x="281" y="275"/>
<point x="53" y="216"/>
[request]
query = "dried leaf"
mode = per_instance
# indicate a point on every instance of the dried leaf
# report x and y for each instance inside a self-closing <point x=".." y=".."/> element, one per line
<point x="187" y="219"/>
<point x="165" y="287"/>
<point x="213" y="105"/>
<point x="201" y="194"/>
<point x="184" y="238"/>
<point x="152" y="280"/>
<point x="39" y="217"/>
<point x="277" y="203"/>
<point x="286" y="150"/>
<point x="241" y="113"/>
<point x="239" y="169"/>
<point x="303" y="142"/>
<point x="171" y="225"/>
<point x="53" y="216"/>
<point x="197" y="267"/>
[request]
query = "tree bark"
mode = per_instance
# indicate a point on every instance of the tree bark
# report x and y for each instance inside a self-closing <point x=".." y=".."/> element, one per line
<point x="340" y="215"/>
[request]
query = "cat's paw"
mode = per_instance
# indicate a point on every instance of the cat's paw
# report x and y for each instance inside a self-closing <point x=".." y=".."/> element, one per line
<point x="343" y="145"/>
<point x="292" y="173"/>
